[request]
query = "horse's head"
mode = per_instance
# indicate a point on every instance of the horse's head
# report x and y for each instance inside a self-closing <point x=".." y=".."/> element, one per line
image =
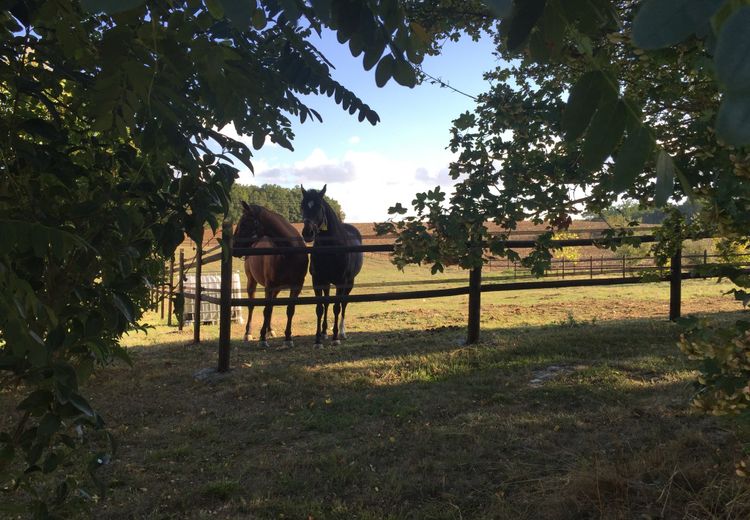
<point x="313" y="213"/>
<point x="250" y="229"/>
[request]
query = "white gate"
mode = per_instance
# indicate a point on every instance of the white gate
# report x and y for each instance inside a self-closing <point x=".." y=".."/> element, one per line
<point x="210" y="311"/>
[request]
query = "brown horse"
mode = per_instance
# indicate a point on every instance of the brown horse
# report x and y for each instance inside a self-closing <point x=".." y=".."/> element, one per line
<point x="261" y="227"/>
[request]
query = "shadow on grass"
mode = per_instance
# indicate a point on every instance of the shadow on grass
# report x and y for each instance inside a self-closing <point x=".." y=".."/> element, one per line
<point x="407" y="424"/>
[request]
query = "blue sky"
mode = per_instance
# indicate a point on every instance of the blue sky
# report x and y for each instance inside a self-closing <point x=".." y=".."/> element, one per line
<point x="369" y="168"/>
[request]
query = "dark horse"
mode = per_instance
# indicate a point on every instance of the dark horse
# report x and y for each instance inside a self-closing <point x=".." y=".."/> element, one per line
<point x="323" y="226"/>
<point x="260" y="227"/>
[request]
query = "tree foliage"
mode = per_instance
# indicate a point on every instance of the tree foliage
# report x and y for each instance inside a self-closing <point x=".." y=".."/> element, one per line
<point x="284" y="201"/>
<point x="109" y="153"/>
<point x="594" y="101"/>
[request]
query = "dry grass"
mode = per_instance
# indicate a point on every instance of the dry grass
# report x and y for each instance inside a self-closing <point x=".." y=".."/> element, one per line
<point x="402" y="421"/>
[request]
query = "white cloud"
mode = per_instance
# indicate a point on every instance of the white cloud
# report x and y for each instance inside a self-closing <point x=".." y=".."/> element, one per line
<point x="355" y="139"/>
<point x="365" y="183"/>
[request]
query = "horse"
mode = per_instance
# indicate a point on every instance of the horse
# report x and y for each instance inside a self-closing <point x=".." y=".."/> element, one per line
<point x="261" y="227"/>
<point x="324" y="228"/>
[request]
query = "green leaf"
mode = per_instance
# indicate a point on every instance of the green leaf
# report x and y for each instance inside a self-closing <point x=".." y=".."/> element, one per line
<point x="732" y="54"/>
<point x="125" y="306"/>
<point x="663" y="23"/>
<point x="604" y="134"/>
<point x="259" y="20"/>
<point x="259" y="139"/>
<point x="500" y="8"/>
<point x="632" y="157"/>
<point x="215" y="8"/>
<point x="239" y="12"/>
<point x="38" y="399"/>
<point x="582" y="102"/>
<point x="81" y="404"/>
<point x="525" y="16"/>
<point x="404" y="74"/>
<point x="110" y="6"/>
<point x="384" y="70"/>
<point x="733" y="119"/>
<point x="664" y="178"/>
<point x="48" y="426"/>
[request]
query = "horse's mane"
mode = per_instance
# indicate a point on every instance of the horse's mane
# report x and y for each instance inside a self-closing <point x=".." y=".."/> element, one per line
<point x="278" y="228"/>
<point x="335" y="226"/>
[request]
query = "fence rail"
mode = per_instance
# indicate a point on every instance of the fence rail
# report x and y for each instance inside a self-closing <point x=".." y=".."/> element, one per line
<point x="568" y="273"/>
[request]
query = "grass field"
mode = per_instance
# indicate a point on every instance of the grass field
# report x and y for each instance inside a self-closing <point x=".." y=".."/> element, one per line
<point x="575" y="404"/>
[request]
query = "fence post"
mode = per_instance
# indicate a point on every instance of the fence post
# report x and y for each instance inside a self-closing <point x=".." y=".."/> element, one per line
<point x="675" y="285"/>
<point x="171" y="291"/>
<point x="197" y="292"/>
<point x="705" y="256"/>
<point x="181" y="290"/>
<point x="160" y="304"/>
<point x="562" y="262"/>
<point x="591" y="267"/>
<point x="623" y="266"/>
<point x="475" y="298"/>
<point x="225" y="311"/>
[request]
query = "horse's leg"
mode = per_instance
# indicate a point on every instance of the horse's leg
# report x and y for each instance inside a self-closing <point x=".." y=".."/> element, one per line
<point x="252" y="284"/>
<point x="267" y="311"/>
<point x="336" y="310"/>
<point x="342" y="330"/>
<point x="293" y="293"/>
<point x="319" y="314"/>
<point x="326" y="293"/>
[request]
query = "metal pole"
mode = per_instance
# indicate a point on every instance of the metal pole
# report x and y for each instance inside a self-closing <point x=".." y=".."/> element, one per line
<point x="171" y="292"/>
<point x="475" y="300"/>
<point x="675" y="285"/>
<point x="225" y="311"/>
<point x="181" y="290"/>
<point x="197" y="291"/>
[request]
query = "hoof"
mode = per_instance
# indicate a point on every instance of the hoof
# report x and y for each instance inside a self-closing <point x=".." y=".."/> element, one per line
<point x="262" y="344"/>
<point x="247" y="337"/>
<point x="342" y="336"/>
<point x="318" y="345"/>
<point x="288" y="343"/>
<point x="336" y="342"/>
<point x="324" y="336"/>
<point x="272" y="333"/>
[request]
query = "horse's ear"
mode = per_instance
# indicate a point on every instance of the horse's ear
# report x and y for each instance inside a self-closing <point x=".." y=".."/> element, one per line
<point x="323" y="191"/>
<point x="246" y="206"/>
<point x="304" y="191"/>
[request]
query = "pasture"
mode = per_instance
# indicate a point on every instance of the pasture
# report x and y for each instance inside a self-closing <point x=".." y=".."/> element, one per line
<point x="575" y="404"/>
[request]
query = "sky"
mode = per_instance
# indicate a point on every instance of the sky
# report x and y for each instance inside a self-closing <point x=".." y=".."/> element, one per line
<point x="370" y="168"/>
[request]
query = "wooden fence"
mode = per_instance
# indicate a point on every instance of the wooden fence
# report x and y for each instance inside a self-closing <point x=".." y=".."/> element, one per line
<point x="584" y="269"/>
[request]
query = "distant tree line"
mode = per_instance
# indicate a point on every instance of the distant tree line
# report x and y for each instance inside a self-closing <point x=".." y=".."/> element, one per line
<point x="284" y="201"/>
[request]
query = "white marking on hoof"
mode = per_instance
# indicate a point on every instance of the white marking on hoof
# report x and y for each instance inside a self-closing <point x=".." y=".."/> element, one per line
<point x="342" y="330"/>
<point x="288" y="343"/>
<point x="248" y="337"/>
<point x="336" y="342"/>
<point x="263" y="344"/>
<point x="324" y="336"/>
<point x="318" y="345"/>
<point x="272" y="333"/>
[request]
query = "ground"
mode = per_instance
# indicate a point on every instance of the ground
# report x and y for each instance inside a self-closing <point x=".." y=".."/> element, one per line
<point x="575" y="404"/>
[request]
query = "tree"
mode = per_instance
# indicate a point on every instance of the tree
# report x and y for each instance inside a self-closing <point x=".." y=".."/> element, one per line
<point x="596" y="100"/>
<point x="284" y="201"/>
<point x="109" y="153"/>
